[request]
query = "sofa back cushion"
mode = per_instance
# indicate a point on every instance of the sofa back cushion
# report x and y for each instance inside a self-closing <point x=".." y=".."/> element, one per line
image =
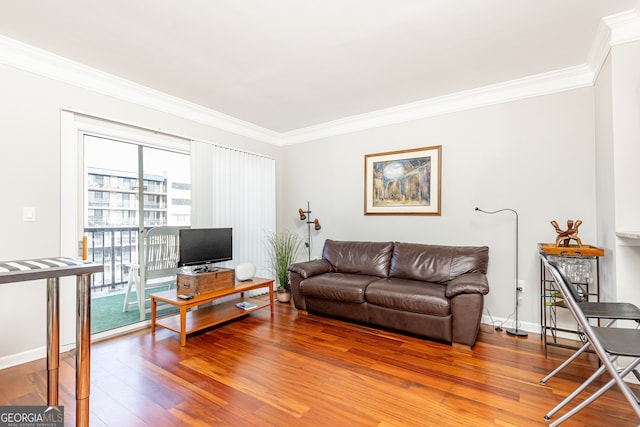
<point x="370" y="258"/>
<point x="437" y="264"/>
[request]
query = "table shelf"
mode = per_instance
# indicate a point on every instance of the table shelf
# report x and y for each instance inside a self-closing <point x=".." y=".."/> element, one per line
<point x="193" y="317"/>
<point x="206" y="317"/>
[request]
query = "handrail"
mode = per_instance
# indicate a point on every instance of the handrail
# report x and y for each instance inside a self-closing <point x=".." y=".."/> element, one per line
<point x="114" y="247"/>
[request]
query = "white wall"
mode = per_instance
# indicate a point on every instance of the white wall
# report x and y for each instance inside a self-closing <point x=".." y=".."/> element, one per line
<point x="625" y="83"/>
<point x="605" y="183"/>
<point x="535" y="156"/>
<point x="30" y="176"/>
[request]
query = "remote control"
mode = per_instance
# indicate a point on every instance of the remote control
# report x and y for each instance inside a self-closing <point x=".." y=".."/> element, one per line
<point x="185" y="297"/>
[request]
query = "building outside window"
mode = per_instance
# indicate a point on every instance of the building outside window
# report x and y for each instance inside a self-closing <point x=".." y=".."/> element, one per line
<point x="112" y="216"/>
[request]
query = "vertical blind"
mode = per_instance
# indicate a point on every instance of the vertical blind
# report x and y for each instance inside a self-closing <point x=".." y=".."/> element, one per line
<point x="237" y="189"/>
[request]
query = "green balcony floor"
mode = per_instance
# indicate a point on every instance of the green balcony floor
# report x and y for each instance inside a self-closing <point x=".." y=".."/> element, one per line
<point x="106" y="311"/>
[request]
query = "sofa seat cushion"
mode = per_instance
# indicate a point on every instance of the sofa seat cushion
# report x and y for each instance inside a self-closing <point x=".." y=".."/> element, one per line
<point x="337" y="286"/>
<point x="409" y="295"/>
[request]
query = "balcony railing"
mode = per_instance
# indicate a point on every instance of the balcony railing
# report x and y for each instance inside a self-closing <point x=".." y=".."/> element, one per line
<point x="116" y="248"/>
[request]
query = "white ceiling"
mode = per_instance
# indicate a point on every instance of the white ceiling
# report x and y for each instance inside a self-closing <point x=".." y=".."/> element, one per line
<point x="289" y="64"/>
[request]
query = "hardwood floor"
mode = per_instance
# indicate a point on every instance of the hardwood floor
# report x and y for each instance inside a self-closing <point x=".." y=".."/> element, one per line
<point x="290" y="370"/>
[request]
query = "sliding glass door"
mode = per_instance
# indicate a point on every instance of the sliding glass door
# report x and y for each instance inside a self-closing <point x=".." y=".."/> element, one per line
<point x="129" y="187"/>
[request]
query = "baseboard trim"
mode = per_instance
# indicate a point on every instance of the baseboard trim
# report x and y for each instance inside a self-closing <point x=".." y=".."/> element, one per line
<point x="29" y="356"/>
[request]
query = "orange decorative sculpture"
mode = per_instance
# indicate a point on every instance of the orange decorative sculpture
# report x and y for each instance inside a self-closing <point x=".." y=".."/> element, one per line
<point x="571" y="233"/>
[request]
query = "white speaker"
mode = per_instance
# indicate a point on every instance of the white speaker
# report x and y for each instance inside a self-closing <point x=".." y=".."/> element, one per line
<point x="245" y="272"/>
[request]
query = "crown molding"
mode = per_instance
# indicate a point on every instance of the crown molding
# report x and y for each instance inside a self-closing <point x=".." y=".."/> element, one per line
<point x="624" y="27"/>
<point x="599" y="48"/>
<point x="612" y="30"/>
<point x="46" y="64"/>
<point x="540" y="84"/>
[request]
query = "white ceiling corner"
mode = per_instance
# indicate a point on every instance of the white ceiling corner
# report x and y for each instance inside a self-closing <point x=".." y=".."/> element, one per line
<point x="624" y="26"/>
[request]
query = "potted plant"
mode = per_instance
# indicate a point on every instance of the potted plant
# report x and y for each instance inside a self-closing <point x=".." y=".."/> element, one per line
<point x="283" y="249"/>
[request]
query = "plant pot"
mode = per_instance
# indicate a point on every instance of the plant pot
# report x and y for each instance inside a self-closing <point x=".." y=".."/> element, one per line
<point x="283" y="295"/>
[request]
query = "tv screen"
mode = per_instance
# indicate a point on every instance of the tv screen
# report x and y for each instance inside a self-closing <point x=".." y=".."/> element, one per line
<point x="200" y="246"/>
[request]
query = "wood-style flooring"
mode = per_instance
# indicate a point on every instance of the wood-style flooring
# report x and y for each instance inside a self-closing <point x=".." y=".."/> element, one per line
<point x="290" y="370"/>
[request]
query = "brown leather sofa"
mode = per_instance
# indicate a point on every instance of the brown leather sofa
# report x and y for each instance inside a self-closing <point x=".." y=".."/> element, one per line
<point x="432" y="291"/>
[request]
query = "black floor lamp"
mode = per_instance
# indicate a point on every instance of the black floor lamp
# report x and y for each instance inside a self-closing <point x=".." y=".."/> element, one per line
<point x="512" y="331"/>
<point x="316" y="226"/>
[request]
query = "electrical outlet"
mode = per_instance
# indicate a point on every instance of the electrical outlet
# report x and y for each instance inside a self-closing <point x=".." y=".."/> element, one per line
<point x="521" y="286"/>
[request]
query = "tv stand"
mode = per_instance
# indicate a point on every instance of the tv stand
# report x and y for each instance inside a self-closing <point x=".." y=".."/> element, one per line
<point x="189" y="321"/>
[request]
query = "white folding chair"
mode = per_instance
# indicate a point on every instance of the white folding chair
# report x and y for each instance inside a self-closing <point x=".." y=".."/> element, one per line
<point x="608" y="344"/>
<point x="158" y="265"/>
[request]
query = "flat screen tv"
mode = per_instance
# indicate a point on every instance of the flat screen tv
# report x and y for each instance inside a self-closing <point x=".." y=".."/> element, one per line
<point x="203" y="246"/>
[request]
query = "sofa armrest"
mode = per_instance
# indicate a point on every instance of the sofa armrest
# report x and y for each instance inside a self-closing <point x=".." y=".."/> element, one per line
<point x="468" y="283"/>
<point x="311" y="268"/>
<point x="303" y="270"/>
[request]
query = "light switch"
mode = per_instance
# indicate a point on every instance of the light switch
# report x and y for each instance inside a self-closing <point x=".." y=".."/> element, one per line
<point x="28" y="214"/>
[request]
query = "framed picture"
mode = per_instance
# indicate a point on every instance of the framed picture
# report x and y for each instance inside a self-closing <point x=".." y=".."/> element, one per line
<point x="405" y="182"/>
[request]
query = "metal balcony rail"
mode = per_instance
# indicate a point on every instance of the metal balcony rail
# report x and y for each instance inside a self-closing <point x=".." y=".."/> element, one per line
<point x="116" y="248"/>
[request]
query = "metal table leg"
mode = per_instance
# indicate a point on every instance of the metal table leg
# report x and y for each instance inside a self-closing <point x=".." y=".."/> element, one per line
<point x="83" y="353"/>
<point x="53" y="340"/>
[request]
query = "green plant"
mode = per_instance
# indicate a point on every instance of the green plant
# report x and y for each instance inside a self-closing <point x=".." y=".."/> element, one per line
<point x="283" y="249"/>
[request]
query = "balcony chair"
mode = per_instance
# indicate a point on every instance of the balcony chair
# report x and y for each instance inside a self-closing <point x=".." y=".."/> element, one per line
<point x="158" y="265"/>
<point x="608" y="344"/>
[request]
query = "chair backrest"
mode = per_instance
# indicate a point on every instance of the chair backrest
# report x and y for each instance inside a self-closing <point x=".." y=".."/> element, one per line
<point x="161" y="251"/>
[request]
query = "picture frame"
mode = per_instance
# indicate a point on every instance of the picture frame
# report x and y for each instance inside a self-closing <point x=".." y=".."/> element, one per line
<point x="404" y="182"/>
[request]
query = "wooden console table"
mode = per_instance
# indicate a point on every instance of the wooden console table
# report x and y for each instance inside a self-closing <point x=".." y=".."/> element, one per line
<point x="52" y="269"/>
<point x="204" y="317"/>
